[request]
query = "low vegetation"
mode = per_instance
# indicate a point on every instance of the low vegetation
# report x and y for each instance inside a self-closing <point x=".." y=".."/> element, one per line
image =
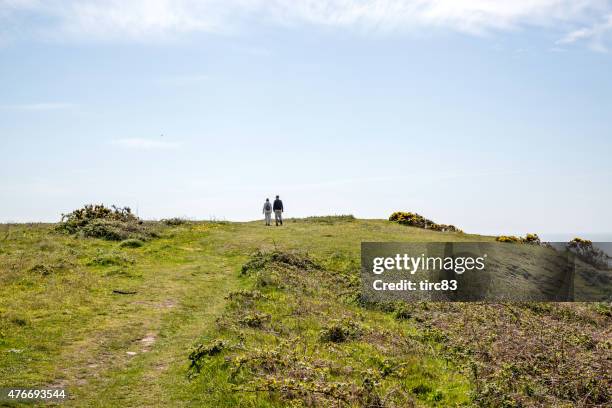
<point x="298" y="338"/>
<point x="112" y="224"/>
<point x="416" y="220"/>
<point x="234" y="314"/>
<point x="585" y="250"/>
<point x="530" y="239"/>
<point x="131" y="243"/>
<point x="582" y="248"/>
<point x="328" y="219"/>
<point x="174" y="221"/>
<point x="310" y="341"/>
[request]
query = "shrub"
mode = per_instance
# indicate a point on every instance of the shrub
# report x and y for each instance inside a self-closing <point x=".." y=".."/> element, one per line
<point x="255" y="320"/>
<point x="585" y="250"/>
<point x="422" y="389"/>
<point x="409" y="218"/>
<point x="245" y="295"/>
<point x="201" y="351"/>
<point x="79" y="218"/>
<point x="98" y="221"/>
<point x="104" y="229"/>
<point x="604" y="309"/>
<point x="444" y="228"/>
<point x="530" y="239"/>
<point x="402" y="312"/>
<point x="341" y="331"/>
<point x="508" y="238"/>
<point x="173" y="222"/>
<point x="417" y="220"/>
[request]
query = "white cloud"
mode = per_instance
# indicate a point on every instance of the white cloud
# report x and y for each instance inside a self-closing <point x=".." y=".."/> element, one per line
<point x="145" y="144"/>
<point x="143" y="20"/>
<point x="595" y="36"/>
<point x="38" y="106"/>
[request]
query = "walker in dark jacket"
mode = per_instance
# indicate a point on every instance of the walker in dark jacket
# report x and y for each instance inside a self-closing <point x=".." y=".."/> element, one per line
<point x="278" y="205"/>
<point x="278" y="211"/>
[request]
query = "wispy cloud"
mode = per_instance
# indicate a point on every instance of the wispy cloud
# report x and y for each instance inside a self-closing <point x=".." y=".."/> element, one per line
<point x="145" y="144"/>
<point x="37" y="106"/>
<point x="146" y="19"/>
<point x="596" y="36"/>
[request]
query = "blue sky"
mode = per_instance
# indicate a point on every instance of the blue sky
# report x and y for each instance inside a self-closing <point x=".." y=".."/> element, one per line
<point x="494" y="116"/>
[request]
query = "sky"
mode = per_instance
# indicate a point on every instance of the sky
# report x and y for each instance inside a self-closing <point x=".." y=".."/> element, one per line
<point x="493" y="116"/>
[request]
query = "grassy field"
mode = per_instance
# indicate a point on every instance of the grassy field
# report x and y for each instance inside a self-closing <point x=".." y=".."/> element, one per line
<point x="236" y="314"/>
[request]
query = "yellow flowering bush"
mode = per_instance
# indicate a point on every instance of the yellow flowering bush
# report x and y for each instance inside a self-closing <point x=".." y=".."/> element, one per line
<point x="589" y="253"/>
<point x="417" y="220"/>
<point x="508" y="238"/>
<point x="531" y="239"/>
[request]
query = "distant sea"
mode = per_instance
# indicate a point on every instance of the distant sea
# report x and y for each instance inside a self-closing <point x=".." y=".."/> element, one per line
<point x="568" y="236"/>
<point x="602" y="241"/>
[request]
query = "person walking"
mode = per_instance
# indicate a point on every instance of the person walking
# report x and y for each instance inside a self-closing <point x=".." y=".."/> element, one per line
<point x="267" y="211"/>
<point x="278" y="211"/>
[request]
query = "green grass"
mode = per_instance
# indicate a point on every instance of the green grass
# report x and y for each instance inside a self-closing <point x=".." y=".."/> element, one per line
<point x="283" y="346"/>
<point x="63" y="322"/>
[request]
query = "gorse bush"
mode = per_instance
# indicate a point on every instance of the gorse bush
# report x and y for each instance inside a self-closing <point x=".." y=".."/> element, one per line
<point x="508" y="238"/>
<point x="409" y="218"/>
<point x="531" y="239"/>
<point x="417" y="220"/>
<point x="81" y="217"/>
<point x="98" y="221"/>
<point x="106" y="229"/>
<point x="590" y="254"/>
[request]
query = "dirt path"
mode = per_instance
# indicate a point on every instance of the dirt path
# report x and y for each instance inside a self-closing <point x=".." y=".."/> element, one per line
<point x="139" y="357"/>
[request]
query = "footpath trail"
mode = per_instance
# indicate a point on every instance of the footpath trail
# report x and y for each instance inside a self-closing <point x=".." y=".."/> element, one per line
<point x="136" y="355"/>
<point x="115" y="325"/>
<point x="139" y="357"/>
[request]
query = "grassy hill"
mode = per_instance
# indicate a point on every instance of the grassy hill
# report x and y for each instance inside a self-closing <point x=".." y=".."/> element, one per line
<point x="237" y="314"/>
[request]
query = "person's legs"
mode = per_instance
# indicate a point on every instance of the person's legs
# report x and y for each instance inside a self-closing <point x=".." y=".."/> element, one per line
<point x="277" y="217"/>
<point x="268" y="218"/>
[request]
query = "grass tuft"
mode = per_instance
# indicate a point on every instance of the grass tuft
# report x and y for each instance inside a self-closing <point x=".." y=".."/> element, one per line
<point x="131" y="243"/>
